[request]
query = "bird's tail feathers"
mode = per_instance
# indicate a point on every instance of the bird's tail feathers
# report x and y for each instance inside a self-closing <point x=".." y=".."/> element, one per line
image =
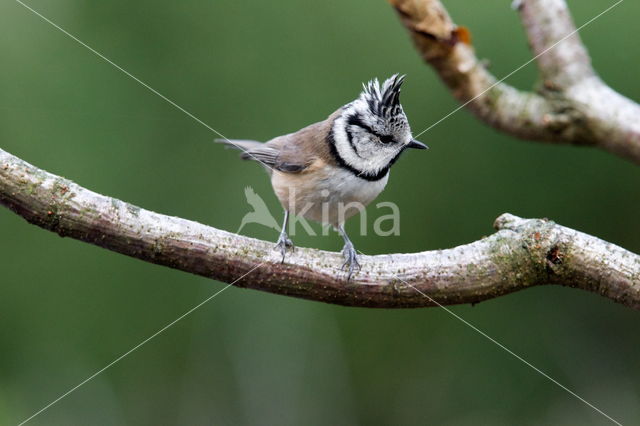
<point x="240" y="144"/>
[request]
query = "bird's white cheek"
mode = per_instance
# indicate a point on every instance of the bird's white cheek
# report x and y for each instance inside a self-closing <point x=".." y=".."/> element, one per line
<point x="344" y="148"/>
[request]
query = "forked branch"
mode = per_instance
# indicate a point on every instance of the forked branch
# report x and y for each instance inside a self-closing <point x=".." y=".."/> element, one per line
<point x="521" y="254"/>
<point x="570" y="105"/>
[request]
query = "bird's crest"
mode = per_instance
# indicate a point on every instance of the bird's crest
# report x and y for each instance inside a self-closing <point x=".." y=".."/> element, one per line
<point x="383" y="100"/>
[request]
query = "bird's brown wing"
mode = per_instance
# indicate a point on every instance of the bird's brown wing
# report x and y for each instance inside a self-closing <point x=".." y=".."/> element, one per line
<point x="297" y="152"/>
<point x="293" y="153"/>
<point x="267" y="154"/>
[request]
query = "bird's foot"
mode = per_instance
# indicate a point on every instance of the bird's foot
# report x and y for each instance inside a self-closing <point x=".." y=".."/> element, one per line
<point x="283" y="244"/>
<point x="350" y="260"/>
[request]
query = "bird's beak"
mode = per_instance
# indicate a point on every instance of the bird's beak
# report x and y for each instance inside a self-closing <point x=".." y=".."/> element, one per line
<point x="417" y="145"/>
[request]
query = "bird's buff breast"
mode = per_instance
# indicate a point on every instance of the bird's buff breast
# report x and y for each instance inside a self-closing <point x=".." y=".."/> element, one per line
<point x="325" y="194"/>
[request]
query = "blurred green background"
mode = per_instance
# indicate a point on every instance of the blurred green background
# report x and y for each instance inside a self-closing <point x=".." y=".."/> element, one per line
<point x="255" y="70"/>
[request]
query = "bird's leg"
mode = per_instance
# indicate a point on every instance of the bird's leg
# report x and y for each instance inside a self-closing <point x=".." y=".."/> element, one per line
<point x="284" y="242"/>
<point x="349" y="253"/>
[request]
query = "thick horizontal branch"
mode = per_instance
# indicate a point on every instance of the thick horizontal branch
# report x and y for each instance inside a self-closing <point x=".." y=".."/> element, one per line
<point x="521" y="254"/>
<point x="572" y="105"/>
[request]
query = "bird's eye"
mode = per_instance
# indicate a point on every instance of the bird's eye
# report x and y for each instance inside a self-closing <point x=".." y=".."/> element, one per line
<point x="386" y="139"/>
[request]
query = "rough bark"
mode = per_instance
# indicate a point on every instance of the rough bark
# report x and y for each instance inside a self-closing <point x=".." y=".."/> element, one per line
<point x="521" y="254"/>
<point x="571" y="105"/>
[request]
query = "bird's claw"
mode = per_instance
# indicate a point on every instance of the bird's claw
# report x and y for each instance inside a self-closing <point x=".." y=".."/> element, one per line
<point x="283" y="244"/>
<point x="350" y="260"/>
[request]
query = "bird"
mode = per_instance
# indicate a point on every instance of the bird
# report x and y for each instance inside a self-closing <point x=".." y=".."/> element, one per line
<point x="318" y="170"/>
<point x="260" y="214"/>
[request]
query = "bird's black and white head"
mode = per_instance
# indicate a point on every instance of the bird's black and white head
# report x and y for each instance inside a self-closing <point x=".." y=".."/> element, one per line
<point x="371" y="132"/>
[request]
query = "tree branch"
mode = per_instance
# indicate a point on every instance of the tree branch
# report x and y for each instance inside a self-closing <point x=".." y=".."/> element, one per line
<point x="563" y="61"/>
<point x="521" y="254"/>
<point x="572" y="105"/>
